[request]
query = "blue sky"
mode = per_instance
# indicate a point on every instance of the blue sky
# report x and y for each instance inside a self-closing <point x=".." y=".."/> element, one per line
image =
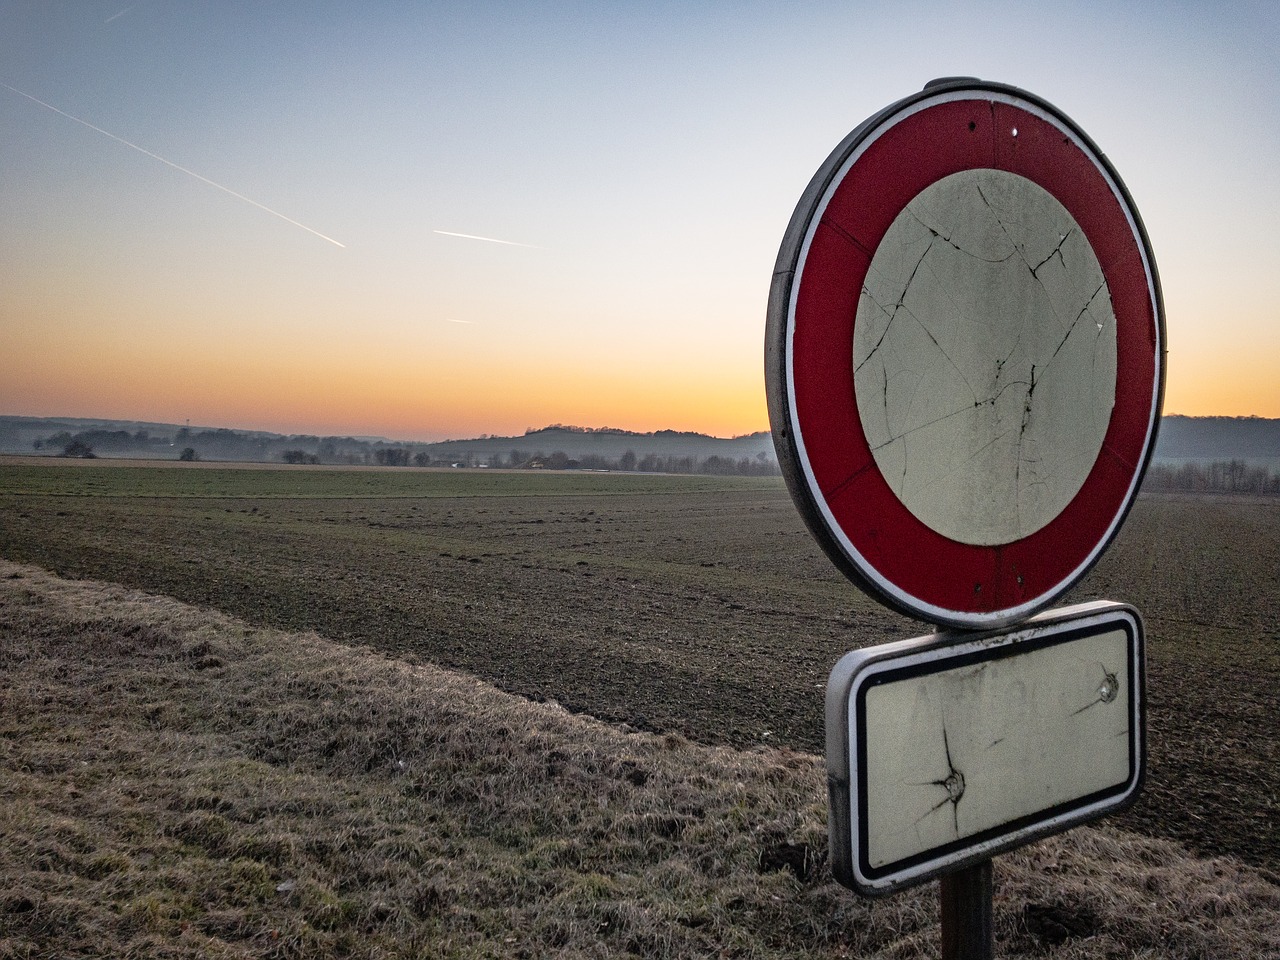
<point x="641" y="159"/>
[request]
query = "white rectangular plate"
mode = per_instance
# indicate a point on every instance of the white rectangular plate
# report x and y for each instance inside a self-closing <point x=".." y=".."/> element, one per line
<point x="949" y="748"/>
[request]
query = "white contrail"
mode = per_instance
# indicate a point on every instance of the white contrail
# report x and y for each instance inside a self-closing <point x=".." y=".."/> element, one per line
<point x="114" y="16"/>
<point x="451" y="320"/>
<point x="170" y="163"/>
<point x="472" y="236"/>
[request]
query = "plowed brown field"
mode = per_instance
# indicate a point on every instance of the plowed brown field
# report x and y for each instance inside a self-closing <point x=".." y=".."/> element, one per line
<point x="694" y="605"/>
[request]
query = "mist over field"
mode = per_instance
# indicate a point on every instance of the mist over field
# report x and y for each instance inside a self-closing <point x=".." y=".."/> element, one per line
<point x="553" y="447"/>
<point x="1254" y="441"/>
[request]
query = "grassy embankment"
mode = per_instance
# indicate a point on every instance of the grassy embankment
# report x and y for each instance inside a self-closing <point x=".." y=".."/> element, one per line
<point x="178" y="783"/>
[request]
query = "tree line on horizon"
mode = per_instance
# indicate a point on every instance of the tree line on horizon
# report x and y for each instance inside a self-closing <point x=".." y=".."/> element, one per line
<point x="1191" y="476"/>
<point x="759" y="466"/>
<point x="215" y="444"/>
<point x="222" y="444"/>
<point x="1218" y="476"/>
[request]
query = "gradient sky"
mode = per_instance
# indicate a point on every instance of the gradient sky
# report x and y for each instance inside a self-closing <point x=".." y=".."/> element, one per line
<point x="641" y="160"/>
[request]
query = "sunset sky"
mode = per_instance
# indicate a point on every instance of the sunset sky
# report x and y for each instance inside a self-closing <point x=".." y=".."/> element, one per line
<point x="283" y="216"/>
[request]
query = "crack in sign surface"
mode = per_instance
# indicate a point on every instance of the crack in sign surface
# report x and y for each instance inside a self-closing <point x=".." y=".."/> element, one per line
<point x="952" y="785"/>
<point x="953" y="753"/>
<point x="984" y="357"/>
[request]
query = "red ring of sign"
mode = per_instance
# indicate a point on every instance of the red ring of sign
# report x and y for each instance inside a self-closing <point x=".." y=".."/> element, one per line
<point x="924" y="571"/>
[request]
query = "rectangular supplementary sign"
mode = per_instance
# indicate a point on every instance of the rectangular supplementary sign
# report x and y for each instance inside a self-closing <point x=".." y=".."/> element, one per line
<point x="950" y="748"/>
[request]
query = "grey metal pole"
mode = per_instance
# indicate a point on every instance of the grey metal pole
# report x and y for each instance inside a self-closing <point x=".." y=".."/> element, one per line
<point x="967" y="928"/>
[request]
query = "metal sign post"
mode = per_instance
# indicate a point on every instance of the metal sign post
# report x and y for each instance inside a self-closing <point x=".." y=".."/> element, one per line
<point x="964" y="361"/>
<point x="966" y="912"/>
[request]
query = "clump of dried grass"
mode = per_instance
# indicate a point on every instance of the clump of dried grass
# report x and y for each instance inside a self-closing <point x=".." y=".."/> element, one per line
<point x="178" y="784"/>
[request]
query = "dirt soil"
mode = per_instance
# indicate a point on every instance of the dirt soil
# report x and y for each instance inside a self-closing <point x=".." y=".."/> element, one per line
<point x="707" y="613"/>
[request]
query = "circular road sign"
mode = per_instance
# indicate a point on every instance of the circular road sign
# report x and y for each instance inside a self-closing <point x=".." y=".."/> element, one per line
<point x="965" y="354"/>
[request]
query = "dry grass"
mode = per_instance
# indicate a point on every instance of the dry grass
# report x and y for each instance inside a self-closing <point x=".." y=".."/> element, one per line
<point x="175" y="783"/>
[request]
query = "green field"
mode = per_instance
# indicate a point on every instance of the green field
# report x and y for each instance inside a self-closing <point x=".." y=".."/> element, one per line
<point x="694" y="605"/>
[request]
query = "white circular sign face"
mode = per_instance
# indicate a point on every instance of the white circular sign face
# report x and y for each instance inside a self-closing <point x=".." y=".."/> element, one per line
<point x="964" y="354"/>
<point x="984" y="356"/>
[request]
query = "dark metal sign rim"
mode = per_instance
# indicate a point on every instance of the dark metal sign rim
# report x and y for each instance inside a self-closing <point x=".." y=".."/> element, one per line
<point x="778" y="357"/>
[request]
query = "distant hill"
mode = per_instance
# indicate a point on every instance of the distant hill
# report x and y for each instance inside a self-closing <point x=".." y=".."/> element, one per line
<point x="162" y="441"/>
<point x="611" y="444"/>
<point x="1255" y="440"/>
<point x="556" y="446"/>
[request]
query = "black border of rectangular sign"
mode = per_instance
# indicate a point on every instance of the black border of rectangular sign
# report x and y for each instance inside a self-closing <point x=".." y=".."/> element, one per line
<point x="865" y="669"/>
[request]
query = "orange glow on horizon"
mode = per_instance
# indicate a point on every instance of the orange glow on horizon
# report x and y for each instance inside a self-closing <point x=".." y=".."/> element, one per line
<point x="1203" y="382"/>
<point x="370" y="394"/>
<point x="67" y="355"/>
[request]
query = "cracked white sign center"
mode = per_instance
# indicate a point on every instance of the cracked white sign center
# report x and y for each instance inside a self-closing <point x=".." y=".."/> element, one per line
<point x="984" y="357"/>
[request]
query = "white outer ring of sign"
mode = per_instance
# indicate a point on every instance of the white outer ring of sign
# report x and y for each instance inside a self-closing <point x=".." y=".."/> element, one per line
<point x="941" y="614"/>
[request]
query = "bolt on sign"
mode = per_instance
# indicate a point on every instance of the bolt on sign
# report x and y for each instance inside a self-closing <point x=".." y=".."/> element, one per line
<point x="965" y="367"/>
